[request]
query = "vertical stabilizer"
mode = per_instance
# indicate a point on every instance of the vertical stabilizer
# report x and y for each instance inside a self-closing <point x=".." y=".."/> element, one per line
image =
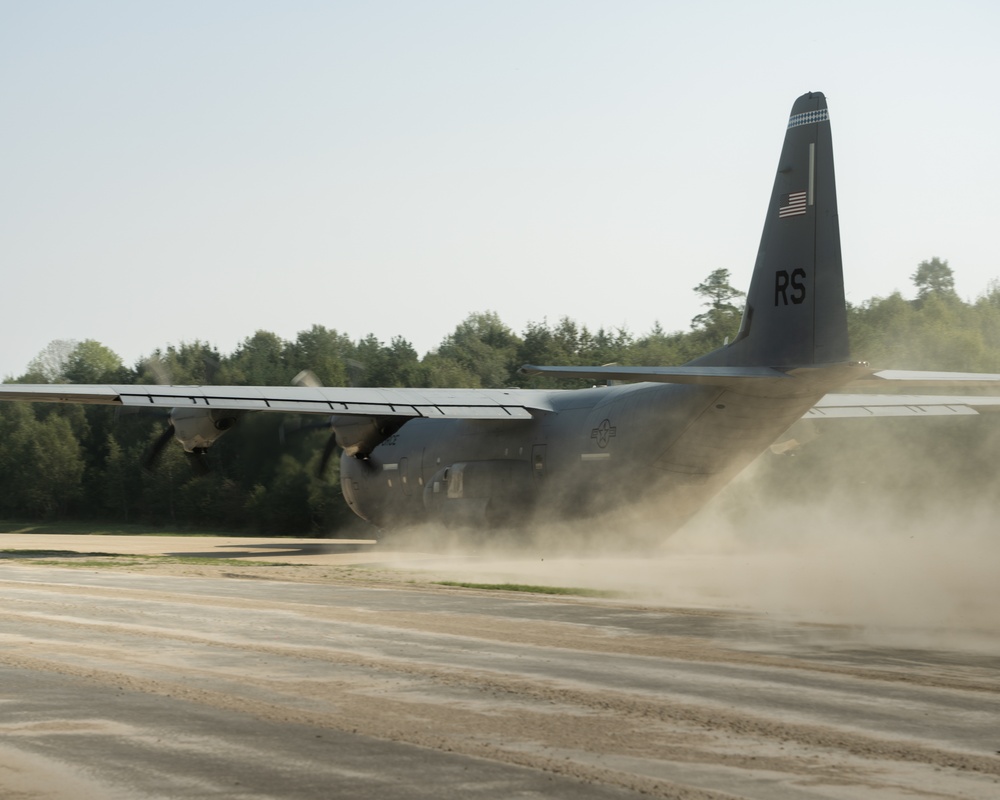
<point x="795" y="314"/>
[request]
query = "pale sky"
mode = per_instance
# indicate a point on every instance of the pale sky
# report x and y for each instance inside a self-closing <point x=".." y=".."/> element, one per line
<point x="201" y="170"/>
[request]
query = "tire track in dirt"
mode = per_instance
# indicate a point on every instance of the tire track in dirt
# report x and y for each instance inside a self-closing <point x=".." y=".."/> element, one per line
<point x="549" y="724"/>
<point x="684" y="720"/>
<point x="558" y="634"/>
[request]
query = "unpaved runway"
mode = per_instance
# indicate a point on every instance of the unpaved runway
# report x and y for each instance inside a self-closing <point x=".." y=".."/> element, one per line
<point x="329" y="680"/>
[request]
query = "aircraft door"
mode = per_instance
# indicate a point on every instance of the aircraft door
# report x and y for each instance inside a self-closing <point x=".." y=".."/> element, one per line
<point x="538" y="460"/>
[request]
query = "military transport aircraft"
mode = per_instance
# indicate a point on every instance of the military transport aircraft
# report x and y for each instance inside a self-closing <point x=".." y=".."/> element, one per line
<point x="682" y="433"/>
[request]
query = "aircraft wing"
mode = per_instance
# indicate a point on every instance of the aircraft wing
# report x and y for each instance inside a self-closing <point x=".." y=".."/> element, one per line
<point x="919" y="379"/>
<point x="435" y="403"/>
<point x="840" y="406"/>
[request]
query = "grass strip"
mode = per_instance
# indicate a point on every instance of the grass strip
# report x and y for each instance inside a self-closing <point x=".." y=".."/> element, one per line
<point x="576" y="591"/>
<point x="71" y="558"/>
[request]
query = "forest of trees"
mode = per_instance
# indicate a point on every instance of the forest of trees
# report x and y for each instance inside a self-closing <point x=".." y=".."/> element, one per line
<point x="72" y="462"/>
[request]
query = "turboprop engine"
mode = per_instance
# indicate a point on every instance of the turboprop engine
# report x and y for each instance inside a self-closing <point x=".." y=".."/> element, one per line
<point x="197" y="429"/>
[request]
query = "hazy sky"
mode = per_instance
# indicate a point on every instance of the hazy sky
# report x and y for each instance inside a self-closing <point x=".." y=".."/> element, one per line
<point x="201" y="170"/>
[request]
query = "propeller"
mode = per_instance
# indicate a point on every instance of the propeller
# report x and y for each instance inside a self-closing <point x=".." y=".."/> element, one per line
<point x="328" y="450"/>
<point x="308" y="378"/>
<point x="196" y="429"/>
<point x="198" y="459"/>
<point x="289" y="429"/>
<point x="151" y="457"/>
<point x="298" y="427"/>
<point x="159" y="370"/>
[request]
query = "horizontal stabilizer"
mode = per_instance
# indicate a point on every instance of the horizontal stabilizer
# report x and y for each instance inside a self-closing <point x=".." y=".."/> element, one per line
<point x="706" y="376"/>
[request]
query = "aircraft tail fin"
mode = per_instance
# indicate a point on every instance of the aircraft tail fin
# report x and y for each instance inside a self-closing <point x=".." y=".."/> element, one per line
<point x="795" y="313"/>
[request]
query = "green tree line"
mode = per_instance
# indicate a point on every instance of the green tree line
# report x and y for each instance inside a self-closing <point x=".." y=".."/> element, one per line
<point x="73" y="462"/>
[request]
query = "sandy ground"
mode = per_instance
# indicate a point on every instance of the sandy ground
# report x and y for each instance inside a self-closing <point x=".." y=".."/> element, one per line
<point x="286" y="551"/>
<point x="713" y="672"/>
<point x="939" y="589"/>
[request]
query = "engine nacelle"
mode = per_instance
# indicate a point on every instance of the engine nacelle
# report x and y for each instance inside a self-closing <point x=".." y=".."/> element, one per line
<point x="477" y="492"/>
<point x="197" y="429"/>
<point x="358" y="436"/>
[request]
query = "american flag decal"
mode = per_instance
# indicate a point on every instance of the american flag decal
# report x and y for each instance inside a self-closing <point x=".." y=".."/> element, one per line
<point x="792" y="204"/>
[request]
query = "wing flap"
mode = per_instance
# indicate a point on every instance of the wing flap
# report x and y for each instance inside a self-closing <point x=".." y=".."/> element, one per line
<point x="60" y="393"/>
<point x="478" y="412"/>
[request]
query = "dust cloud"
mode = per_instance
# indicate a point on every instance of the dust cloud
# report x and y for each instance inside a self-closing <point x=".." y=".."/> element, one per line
<point x="901" y="558"/>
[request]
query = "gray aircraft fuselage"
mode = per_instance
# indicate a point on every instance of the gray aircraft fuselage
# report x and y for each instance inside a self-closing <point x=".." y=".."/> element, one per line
<point x="597" y="449"/>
